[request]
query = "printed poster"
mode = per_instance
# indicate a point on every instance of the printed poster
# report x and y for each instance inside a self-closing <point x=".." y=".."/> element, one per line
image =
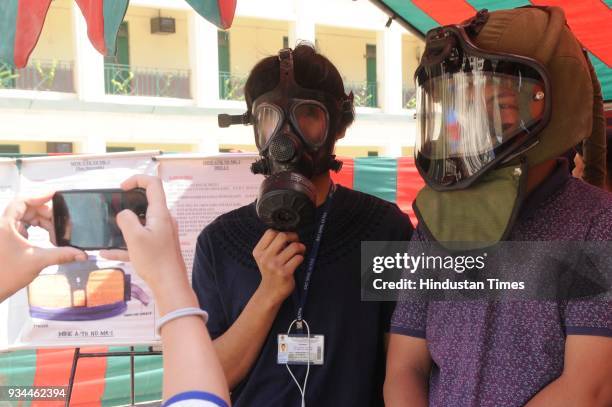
<point x="100" y="302"/>
<point x="199" y="189"/>
<point x="83" y="303"/>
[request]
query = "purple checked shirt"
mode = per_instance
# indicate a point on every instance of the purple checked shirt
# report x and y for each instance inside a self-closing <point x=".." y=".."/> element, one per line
<point x="503" y="353"/>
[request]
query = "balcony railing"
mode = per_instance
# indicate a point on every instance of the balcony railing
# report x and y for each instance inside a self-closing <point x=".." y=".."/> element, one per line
<point x="408" y="98"/>
<point x="231" y="87"/>
<point x="39" y="75"/>
<point x="366" y="93"/>
<point x="135" y="81"/>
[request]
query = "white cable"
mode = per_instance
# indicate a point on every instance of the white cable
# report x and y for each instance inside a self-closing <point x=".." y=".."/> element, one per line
<point x="300" y="388"/>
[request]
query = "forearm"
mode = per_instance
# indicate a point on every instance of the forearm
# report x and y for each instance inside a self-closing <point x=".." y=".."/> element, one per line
<point x="5" y="292"/>
<point x="239" y="347"/>
<point x="14" y="270"/>
<point x="406" y="389"/>
<point x="190" y="362"/>
<point x="568" y="393"/>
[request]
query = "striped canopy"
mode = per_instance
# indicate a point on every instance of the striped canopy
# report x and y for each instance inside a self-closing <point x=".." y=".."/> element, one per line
<point x="590" y="20"/>
<point x="21" y="22"/>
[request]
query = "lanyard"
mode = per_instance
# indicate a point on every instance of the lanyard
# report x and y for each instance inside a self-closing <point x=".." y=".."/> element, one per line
<point x="312" y="257"/>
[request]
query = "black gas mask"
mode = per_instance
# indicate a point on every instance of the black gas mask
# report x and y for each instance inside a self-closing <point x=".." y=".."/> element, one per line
<point x="295" y="136"/>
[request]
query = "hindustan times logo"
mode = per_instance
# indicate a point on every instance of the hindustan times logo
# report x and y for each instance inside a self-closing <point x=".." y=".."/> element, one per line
<point x="412" y="264"/>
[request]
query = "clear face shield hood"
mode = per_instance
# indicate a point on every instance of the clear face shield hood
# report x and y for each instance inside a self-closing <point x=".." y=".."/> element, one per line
<point x="477" y="113"/>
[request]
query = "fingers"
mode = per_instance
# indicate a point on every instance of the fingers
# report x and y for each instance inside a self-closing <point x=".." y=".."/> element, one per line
<point x="16" y="209"/>
<point x="47" y="225"/>
<point x="264" y="242"/>
<point x="44" y="211"/>
<point x="129" y="224"/>
<point x="294" y="263"/>
<point x="30" y="207"/>
<point x="118" y="255"/>
<point x="57" y="255"/>
<point x="290" y="251"/>
<point x="40" y="199"/>
<point x="154" y="190"/>
<point x="280" y="242"/>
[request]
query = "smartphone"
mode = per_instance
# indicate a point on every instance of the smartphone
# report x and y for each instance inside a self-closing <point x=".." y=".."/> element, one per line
<point x="86" y="218"/>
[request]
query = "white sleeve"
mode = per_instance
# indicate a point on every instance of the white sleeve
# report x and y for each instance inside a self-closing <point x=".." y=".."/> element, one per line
<point x="195" y="399"/>
<point x="193" y="403"/>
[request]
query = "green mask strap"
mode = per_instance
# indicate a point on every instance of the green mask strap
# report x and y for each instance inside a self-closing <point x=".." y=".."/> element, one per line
<point x="476" y="217"/>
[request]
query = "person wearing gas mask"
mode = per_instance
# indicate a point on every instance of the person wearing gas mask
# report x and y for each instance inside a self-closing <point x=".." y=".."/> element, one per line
<point x="499" y="99"/>
<point x="288" y="265"/>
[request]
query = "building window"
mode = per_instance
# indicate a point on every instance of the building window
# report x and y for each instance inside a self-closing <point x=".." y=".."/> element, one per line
<point x="224" y="63"/>
<point x="10" y="149"/>
<point x="59" y="148"/>
<point x="371" y="76"/>
<point x="372" y="153"/>
<point x="117" y="73"/>
<point x="285" y="42"/>
<point x="110" y="149"/>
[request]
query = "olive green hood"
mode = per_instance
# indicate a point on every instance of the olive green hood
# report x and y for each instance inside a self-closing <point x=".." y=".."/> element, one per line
<point x="485" y="212"/>
<point x="541" y="33"/>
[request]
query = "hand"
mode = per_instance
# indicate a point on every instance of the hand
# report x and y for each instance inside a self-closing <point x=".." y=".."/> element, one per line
<point x="154" y="248"/>
<point x="278" y="255"/>
<point x="20" y="261"/>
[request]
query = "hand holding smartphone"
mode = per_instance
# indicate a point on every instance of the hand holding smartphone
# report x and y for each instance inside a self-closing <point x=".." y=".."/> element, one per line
<point x="87" y="219"/>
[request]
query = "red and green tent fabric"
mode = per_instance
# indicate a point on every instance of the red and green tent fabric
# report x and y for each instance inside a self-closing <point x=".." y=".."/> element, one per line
<point x="590" y="20"/>
<point x="21" y="22"/>
<point x="106" y="381"/>
<point x="103" y="19"/>
<point x="395" y="180"/>
<point x="218" y="12"/>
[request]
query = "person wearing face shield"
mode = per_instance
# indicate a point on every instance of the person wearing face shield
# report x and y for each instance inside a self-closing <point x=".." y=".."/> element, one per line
<point x="287" y="266"/>
<point x="500" y="98"/>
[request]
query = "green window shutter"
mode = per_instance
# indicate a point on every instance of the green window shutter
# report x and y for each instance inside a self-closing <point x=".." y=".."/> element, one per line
<point x="119" y="149"/>
<point x="117" y="67"/>
<point x="123" y="44"/>
<point x="10" y="149"/>
<point x="224" y="63"/>
<point x="62" y="147"/>
<point x="371" y="77"/>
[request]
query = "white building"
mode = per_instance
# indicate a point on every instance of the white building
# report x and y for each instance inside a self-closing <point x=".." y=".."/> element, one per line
<point x="164" y="91"/>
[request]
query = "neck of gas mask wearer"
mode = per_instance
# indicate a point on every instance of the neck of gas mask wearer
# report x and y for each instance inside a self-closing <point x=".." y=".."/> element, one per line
<point x="322" y="183"/>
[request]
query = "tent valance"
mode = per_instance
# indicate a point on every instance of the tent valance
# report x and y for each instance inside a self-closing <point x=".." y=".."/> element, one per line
<point x="590" y="20"/>
<point x="21" y="22"/>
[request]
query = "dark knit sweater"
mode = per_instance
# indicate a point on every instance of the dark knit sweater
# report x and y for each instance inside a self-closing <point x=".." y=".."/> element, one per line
<point x="225" y="276"/>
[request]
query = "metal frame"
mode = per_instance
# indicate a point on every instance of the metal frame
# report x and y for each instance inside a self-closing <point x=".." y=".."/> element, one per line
<point x="131" y="353"/>
<point x="394" y="16"/>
